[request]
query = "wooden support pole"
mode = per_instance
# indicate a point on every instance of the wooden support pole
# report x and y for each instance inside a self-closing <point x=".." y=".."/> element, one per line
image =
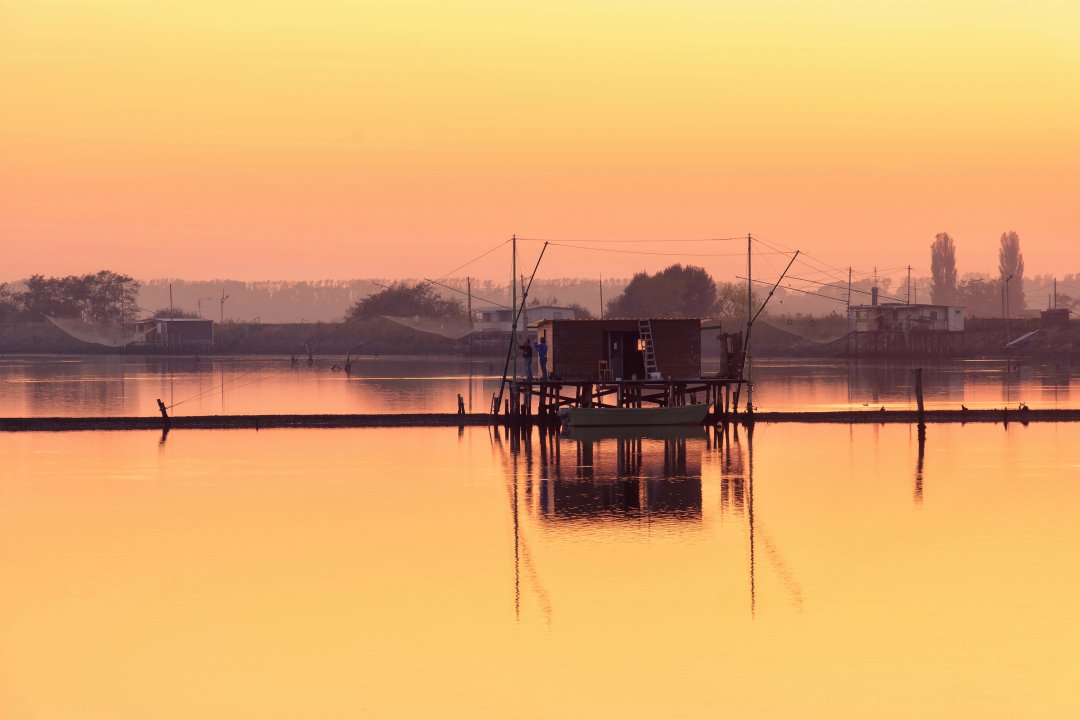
<point x="919" y="402"/>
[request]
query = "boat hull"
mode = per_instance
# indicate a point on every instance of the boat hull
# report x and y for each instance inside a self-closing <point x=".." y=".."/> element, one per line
<point x="634" y="417"/>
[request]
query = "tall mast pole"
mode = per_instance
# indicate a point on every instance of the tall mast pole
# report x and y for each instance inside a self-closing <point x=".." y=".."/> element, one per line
<point x="513" y="303"/>
<point x="849" y="286"/>
<point x="749" y="315"/>
<point x="908" y="284"/>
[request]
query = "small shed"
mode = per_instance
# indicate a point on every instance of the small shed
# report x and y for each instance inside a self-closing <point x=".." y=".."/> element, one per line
<point x="582" y="349"/>
<point x="176" y="332"/>
<point x="905" y="317"/>
<point x="1054" y="318"/>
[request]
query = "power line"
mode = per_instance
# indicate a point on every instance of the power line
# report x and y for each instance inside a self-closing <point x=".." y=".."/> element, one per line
<point x="661" y="241"/>
<point x="478" y="257"/>
<point x="649" y="252"/>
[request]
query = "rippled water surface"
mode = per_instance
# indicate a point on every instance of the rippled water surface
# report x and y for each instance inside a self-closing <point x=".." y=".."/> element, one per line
<point x="806" y="571"/>
<point x="119" y="385"/>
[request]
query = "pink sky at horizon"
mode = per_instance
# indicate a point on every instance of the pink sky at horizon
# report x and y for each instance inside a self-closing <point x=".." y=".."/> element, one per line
<point x="340" y="140"/>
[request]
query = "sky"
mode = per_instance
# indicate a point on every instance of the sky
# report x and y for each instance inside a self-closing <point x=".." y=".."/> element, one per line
<point x="340" y="138"/>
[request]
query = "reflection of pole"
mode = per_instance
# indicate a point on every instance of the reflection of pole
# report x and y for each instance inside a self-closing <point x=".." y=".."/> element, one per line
<point x="517" y="544"/>
<point x="750" y="509"/>
<point x="919" y="468"/>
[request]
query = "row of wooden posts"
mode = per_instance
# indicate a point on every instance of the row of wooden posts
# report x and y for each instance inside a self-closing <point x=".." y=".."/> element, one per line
<point x="538" y="401"/>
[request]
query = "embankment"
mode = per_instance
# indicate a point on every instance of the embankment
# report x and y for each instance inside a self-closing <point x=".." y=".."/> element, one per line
<point x="265" y="422"/>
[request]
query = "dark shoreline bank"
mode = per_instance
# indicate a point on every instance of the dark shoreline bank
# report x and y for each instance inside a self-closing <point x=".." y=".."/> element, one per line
<point x="265" y="422"/>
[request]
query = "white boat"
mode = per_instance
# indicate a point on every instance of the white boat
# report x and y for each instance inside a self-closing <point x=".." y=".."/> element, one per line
<point x="637" y="417"/>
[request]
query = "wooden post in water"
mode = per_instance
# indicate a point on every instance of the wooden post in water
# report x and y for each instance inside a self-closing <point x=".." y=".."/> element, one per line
<point x="919" y="402"/>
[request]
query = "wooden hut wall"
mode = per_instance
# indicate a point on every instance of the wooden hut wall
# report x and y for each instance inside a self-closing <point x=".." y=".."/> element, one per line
<point x="678" y="348"/>
<point x="577" y="346"/>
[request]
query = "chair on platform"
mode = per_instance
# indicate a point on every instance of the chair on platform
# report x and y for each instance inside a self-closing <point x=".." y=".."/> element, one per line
<point x="603" y="372"/>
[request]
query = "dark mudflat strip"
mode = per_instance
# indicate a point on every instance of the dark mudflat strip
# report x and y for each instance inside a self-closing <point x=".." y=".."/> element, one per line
<point x="911" y="417"/>
<point x="262" y="422"/>
<point x="242" y="422"/>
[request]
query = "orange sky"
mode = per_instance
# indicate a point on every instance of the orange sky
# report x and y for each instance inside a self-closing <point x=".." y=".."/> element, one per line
<point x="334" y="138"/>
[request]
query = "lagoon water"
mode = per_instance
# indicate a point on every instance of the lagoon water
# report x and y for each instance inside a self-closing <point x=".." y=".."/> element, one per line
<point x="128" y="386"/>
<point x="801" y="571"/>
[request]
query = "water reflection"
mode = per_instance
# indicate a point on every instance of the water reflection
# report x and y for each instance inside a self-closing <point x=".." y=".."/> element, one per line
<point x="612" y="474"/>
<point x="598" y="480"/>
<point x="357" y="567"/>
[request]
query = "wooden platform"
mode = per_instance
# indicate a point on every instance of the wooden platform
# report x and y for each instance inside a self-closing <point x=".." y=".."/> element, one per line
<point x="528" y="401"/>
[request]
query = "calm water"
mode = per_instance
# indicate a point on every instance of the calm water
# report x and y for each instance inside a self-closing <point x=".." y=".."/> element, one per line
<point x="808" y="571"/>
<point x="111" y="385"/>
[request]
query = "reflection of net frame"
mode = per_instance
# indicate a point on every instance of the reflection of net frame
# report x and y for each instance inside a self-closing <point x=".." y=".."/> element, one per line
<point x="109" y="335"/>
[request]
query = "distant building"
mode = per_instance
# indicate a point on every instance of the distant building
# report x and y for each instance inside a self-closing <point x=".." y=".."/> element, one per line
<point x="500" y="319"/>
<point x="175" y="333"/>
<point x="905" y="317"/>
<point x="898" y="329"/>
<point x="1054" y="318"/>
<point x="590" y="349"/>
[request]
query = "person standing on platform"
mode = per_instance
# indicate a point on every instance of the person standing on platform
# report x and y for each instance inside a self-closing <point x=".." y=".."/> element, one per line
<point x="541" y="357"/>
<point x="527" y="355"/>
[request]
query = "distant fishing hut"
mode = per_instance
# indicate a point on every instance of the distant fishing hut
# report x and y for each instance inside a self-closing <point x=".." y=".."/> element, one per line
<point x="175" y="333"/>
<point x="636" y="362"/>
<point x="905" y="329"/>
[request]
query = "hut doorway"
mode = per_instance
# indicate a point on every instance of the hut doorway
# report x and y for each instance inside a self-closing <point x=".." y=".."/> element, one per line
<point x="623" y="356"/>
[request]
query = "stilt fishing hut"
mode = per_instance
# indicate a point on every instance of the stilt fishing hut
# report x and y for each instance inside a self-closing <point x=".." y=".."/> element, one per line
<point x="626" y="363"/>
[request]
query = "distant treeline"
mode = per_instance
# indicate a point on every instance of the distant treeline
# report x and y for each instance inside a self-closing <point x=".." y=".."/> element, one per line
<point x="331" y="300"/>
<point x="104" y="296"/>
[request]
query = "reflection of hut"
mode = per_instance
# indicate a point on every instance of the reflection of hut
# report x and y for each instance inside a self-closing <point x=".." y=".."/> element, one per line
<point x="579" y="349"/>
<point x="175" y="333"/>
<point x="627" y="477"/>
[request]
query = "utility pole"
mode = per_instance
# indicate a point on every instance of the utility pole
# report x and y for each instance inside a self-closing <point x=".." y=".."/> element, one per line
<point x="849" y="286"/>
<point x="601" y="296"/>
<point x="170" y="300"/>
<point x="224" y="297"/>
<point x="908" y="284"/>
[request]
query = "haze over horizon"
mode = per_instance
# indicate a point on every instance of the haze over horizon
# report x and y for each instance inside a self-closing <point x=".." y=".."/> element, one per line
<point x="233" y="139"/>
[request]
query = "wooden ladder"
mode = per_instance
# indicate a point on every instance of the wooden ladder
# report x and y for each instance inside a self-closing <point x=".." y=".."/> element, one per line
<point x="649" y="351"/>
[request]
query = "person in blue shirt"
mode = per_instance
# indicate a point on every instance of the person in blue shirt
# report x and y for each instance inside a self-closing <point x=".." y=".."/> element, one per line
<point x="541" y="356"/>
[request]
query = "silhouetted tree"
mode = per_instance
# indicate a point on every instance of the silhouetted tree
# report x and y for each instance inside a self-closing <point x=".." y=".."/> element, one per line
<point x="981" y="297"/>
<point x="101" y="297"/>
<point x="9" y="306"/>
<point x="943" y="270"/>
<point x="675" y="291"/>
<point x="731" y="302"/>
<point x="175" y="313"/>
<point x="403" y="299"/>
<point x="1011" y="265"/>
